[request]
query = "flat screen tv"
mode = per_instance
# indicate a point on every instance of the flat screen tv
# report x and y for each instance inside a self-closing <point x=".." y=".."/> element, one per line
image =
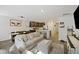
<point x="76" y="18"/>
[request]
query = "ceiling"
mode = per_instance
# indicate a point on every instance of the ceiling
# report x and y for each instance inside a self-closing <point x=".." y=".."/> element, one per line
<point x="36" y="11"/>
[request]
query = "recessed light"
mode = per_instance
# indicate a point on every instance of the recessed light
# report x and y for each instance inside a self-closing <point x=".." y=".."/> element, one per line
<point x="42" y="10"/>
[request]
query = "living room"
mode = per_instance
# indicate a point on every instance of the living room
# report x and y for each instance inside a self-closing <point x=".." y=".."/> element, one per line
<point x="41" y="29"/>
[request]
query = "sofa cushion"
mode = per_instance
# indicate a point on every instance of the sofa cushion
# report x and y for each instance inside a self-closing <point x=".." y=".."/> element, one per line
<point x="20" y="42"/>
<point x="33" y="35"/>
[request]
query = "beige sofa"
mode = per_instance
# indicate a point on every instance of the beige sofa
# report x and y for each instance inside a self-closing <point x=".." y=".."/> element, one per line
<point x="30" y="41"/>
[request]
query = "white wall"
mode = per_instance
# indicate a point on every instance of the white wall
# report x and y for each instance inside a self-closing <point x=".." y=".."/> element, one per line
<point x="68" y="21"/>
<point x="6" y="29"/>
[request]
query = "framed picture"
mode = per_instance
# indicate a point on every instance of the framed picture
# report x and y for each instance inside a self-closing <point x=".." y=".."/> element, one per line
<point x="36" y="24"/>
<point x="62" y="25"/>
<point x="14" y="22"/>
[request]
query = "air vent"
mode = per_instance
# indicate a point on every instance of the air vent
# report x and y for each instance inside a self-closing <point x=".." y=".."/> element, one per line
<point x="66" y="14"/>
